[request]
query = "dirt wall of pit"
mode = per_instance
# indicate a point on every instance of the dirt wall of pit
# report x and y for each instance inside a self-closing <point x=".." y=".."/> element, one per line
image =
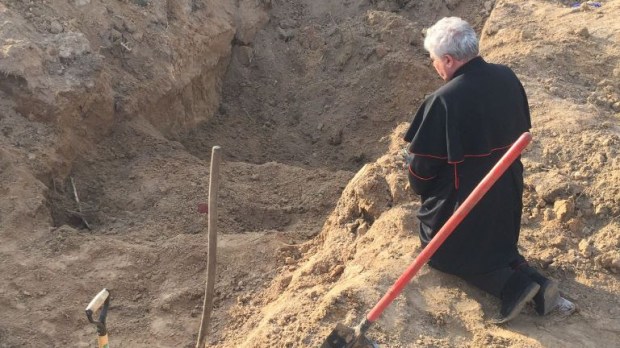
<point x="72" y="70"/>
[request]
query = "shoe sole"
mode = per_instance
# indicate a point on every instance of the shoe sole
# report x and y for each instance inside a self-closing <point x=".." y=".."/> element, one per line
<point x="550" y="295"/>
<point x="527" y="296"/>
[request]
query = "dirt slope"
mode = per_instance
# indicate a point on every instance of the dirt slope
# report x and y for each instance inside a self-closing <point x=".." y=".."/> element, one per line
<point x="315" y="218"/>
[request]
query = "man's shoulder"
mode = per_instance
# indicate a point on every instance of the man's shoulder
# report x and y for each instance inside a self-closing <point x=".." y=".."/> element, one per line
<point x="500" y="68"/>
<point x="454" y="87"/>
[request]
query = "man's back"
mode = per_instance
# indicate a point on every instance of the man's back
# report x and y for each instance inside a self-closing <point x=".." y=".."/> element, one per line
<point x="486" y="109"/>
<point x="463" y="128"/>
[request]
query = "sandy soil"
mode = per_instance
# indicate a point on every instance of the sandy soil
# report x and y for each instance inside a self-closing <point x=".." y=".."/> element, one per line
<point x="309" y="100"/>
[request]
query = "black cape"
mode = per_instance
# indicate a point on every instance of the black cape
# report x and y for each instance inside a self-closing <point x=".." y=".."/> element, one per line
<point x="456" y="136"/>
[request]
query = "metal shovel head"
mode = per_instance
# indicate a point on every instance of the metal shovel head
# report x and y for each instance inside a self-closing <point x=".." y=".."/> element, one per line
<point x="345" y="337"/>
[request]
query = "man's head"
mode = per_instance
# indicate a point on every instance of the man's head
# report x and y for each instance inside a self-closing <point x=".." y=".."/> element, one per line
<point x="451" y="43"/>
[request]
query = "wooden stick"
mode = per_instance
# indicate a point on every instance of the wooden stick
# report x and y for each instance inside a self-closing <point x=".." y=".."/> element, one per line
<point x="207" y="307"/>
<point x="79" y="205"/>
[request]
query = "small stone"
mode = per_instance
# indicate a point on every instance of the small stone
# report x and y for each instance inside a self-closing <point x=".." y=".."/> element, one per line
<point x="553" y="187"/>
<point x="601" y="210"/>
<point x="524" y="220"/>
<point x="557" y="241"/>
<point x="336" y="272"/>
<point x="548" y="214"/>
<point x="526" y="35"/>
<point x="352" y="226"/>
<point x="491" y="29"/>
<point x="285" y="35"/>
<point x="488" y="6"/>
<point x="115" y="35"/>
<point x="583" y="32"/>
<point x="599" y="159"/>
<point x="452" y="4"/>
<point x="564" y="209"/>
<point x="335" y="138"/>
<point x="288" y="23"/>
<point x="547" y="256"/>
<point x="138" y="35"/>
<point x="575" y="226"/>
<point x="289" y="261"/>
<point x="194" y="228"/>
<point x="129" y="26"/>
<point x="362" y="229"/>
<point x="571" y="256"/>
<point x="611" y="261"/>
<point x="284" y="282"/>
<point x="586" y="231"/>
<point x="381" y="51"/>
<point x="55" y="27"/>
<point x="579" y="175"/>
<point x="585" y="248"/>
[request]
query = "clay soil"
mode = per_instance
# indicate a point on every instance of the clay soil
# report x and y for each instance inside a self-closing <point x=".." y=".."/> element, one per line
<point x="309" y="100"/>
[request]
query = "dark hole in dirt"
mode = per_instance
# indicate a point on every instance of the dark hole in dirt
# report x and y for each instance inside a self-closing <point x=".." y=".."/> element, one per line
<point x="65" y="209"/>
<point x="11" y="83"/>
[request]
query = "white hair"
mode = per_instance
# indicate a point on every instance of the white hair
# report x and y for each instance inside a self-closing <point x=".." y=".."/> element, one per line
<point x="453" y="36"/>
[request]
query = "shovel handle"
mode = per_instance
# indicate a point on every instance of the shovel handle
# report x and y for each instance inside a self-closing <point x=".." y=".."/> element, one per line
<point x="457" y="217"/>
<point x="101" y="299"/>
<point x="97" y="301"/>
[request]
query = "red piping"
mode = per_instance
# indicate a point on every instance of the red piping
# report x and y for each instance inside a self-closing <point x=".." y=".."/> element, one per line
<point x="419" y="177"/>
<point x="492" y="150"/>
<point x="431" y="156"/>
<point x="446" y="157"/>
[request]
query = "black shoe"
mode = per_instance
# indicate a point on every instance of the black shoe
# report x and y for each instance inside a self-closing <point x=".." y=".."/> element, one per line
<point x="518" y="291"/>
<point x="547" y="297"/>
<point x="546" y="300"/>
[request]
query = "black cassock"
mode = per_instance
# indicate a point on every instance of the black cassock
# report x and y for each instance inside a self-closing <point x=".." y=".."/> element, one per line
<point x="456" y="137"/>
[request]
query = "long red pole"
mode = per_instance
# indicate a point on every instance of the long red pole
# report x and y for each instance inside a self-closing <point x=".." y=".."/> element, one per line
<point x="474" y="197"/>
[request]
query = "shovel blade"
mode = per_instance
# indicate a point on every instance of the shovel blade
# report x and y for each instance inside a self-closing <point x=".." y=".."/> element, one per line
<point x="345" y="337"/>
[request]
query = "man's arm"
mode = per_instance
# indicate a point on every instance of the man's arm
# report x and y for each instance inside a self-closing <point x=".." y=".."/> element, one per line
<point x="422" y="172"/>
<point x="427" y="151"/>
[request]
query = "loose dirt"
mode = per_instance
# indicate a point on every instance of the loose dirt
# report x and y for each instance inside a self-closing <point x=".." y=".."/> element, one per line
<point x="309" y="100"/>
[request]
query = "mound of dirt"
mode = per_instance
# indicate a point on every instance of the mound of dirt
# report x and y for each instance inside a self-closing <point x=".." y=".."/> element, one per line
<point x="119" y="103"/>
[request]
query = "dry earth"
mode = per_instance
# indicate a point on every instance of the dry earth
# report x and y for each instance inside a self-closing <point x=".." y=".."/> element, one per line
<point x="309" y="99"/>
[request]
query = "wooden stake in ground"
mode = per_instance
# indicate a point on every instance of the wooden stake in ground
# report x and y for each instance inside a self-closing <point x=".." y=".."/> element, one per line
<point x="79" y="214"/>
<point x="214" y="183"/>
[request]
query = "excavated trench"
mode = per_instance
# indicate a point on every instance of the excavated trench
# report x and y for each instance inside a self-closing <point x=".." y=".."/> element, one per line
<point x="313" y="94"/>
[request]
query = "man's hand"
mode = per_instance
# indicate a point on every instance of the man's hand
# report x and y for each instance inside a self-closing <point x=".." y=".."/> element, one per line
<point x="407" y="157"/>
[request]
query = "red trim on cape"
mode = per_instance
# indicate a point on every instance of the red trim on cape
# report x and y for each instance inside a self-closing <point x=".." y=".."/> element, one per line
<point x="466" y="156"/>
<point x="419" y="177"/>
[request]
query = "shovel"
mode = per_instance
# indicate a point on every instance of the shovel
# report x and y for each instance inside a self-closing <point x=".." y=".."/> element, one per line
<point x="346" y="337"/>
<point x="101" y="299"/>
